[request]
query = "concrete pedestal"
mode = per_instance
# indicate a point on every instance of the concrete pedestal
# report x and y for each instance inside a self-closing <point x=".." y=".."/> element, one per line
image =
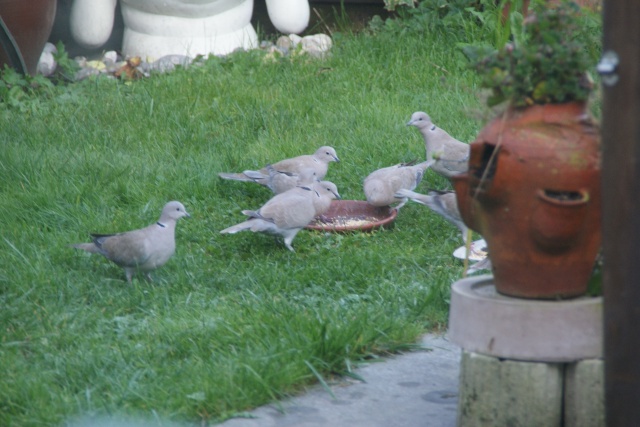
<point x="526" y="362"/>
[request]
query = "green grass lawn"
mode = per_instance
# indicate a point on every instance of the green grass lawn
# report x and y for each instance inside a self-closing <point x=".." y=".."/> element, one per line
<point x="232" y="321"/>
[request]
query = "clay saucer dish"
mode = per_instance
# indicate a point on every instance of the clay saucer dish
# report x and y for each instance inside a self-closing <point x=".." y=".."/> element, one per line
<point x="353" y="215"/>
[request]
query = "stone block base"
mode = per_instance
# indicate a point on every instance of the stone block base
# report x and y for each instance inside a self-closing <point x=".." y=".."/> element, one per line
<point x="498" y="392"/>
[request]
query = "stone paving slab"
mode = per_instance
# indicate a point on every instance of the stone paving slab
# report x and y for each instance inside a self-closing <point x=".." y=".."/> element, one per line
<point x="418" y="388"/>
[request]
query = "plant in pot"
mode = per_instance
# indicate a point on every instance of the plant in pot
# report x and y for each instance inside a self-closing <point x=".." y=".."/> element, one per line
<point x="25" y="27"/>
<point x="533" y="185"/>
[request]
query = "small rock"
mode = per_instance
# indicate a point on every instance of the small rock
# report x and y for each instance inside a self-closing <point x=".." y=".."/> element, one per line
<point x="112" y="67"/>
<point x="295" y="39"/>
<point x="273" y="53"/>
<point x="317" y="45"/>
<point x="110" y="56"/>
<point x="169" y="63"/>
<point x="81" y="61"/>
<point x="284" y="42"/>
<point x="98" y="65"/>
<point x="47" y="63"/>
<point x="86" y="72"/>
<point x="50" y="48"/>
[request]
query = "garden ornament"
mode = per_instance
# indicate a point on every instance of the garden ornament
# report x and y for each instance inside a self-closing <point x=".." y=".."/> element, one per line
<point x="156" y="28"/>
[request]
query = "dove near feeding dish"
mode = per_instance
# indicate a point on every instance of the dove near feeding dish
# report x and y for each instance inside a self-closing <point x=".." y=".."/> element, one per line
<point x="444" y="203"/>
<point x="315" y="165"/>
<point x="381" y="186"/>
<point x="287" y="213"/>
<point x="451" y="155"/>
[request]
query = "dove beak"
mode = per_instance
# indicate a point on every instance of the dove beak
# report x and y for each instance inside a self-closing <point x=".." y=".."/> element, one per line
<point x="336" y="159"/>
<point x="337" y="195"/>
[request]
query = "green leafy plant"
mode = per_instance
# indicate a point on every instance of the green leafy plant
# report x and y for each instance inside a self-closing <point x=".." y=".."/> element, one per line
<point x="20" y="91"/>
<point x="67" y="67"/>
<point x="545" y="62"/>
<point x="392" y="5"/>
<point x="25" y="92"/>
<point x="446" y="16"/>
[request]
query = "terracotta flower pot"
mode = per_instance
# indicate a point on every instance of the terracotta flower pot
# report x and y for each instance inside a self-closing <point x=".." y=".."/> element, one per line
<point x="30" y="23"/>
<point x="533" y="192"/>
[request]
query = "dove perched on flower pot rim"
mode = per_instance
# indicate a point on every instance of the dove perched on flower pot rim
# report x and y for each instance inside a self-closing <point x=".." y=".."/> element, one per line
<point x="141" y="250"/>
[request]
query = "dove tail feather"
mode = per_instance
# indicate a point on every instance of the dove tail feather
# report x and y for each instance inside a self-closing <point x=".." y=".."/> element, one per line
<point x="89" y="247"/>
<point x="235" y="176"/>
<point x="255" y="175"/>
<point x="245" y="225"/>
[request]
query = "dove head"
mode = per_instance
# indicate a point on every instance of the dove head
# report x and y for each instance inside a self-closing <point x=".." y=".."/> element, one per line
<point x="327" y="188"/>
<point x="326" y="154"/>
<point x="421" y="120"/>
<point x="173" y="211"/>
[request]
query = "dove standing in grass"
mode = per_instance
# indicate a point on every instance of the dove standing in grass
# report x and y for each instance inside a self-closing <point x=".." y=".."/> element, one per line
<point x="140" y="250"/>
<point x="287" y="213"/>
<point x="279" y="181"/>
<point x="444" y="203"/>
<point x="451" y="155"/>
<point x="318" y="162"/>
<point x="380" y="187"/>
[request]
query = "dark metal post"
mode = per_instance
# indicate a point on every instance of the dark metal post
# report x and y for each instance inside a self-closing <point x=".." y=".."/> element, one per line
<point x="621" y="211"/>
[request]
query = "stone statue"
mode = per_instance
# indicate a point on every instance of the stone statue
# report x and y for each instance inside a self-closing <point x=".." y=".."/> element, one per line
<point x="155" y="28"/>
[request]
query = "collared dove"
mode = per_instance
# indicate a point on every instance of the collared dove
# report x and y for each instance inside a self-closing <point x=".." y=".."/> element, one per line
<point x="484" y="264"/>
<point x="279" y="181"/>
<point x="380" y="186"/>
<point x="144" y="249"/>
<point x="444" y="203"/>
<point x="287" y="213"/>
<point x="318" y="162"/>
<point x="451" y="155"/>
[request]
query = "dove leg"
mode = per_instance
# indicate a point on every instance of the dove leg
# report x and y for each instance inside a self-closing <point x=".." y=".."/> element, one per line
<point x="464" y="230"/>
<point x="287" y="243"/>
<point x="129" y="272"/>
<point x="288" y="238"/>
<point x="401" y="204"/>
